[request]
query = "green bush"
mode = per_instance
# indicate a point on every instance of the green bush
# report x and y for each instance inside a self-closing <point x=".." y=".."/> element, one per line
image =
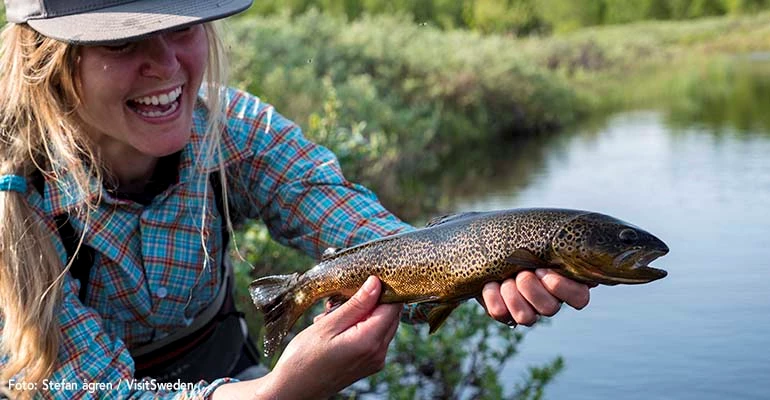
<point x="519" y="17"/>
<point x="420" y="92"/>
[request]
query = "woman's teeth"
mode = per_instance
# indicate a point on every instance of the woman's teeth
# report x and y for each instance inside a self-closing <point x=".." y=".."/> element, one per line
<point x="163" y="99"/>
<point x="156" y="106"/>
<point x="158" y="113"/>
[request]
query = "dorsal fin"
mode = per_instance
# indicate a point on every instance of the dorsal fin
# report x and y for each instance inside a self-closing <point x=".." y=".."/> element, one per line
<point x="329" y="253"/>
<point x="449" y="218"/>
<point x="334" y="252"/>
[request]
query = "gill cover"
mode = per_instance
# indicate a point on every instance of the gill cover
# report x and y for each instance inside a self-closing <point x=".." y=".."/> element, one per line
<point x="598" y="248"/>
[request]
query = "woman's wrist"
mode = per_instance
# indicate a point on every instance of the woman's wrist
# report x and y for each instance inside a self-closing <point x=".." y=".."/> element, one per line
<point x="255" y="389"/>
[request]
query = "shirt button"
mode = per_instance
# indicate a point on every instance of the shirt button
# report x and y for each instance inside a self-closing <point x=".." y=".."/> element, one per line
<point x="162" y="292"/>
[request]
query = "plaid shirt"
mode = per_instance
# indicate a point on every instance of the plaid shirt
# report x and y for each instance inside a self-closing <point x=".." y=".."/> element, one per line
<point x="148" y="278"/>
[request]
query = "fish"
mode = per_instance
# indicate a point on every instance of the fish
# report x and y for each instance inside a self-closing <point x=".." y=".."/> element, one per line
<point x="454" y="256"/>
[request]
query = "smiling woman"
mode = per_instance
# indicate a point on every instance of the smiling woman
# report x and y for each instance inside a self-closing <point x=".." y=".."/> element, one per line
<point x="44" y="80"/>
<point x="124" y="161"/>
<point x="138" y="98"/>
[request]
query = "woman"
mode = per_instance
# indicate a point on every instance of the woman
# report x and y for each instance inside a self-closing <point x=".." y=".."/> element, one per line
<point x="122" y="162"/>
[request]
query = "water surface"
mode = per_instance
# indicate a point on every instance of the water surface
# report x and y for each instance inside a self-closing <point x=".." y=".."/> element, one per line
<point x="704" y="331"/>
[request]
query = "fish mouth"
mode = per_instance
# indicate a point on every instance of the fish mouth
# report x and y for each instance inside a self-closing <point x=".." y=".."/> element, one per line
<point x="636" y="262"/>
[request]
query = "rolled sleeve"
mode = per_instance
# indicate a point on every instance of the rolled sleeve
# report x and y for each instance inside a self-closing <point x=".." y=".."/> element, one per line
<point x="297" y="187"/>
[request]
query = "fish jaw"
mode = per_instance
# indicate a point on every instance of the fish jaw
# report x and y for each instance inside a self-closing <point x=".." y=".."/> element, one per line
<point x="639" y="267"/>
<point x="629" y="268"/>
<point x="639" y="259"/>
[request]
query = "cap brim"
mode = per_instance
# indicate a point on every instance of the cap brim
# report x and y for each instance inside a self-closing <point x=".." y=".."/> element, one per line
<point x="134" y="20"/>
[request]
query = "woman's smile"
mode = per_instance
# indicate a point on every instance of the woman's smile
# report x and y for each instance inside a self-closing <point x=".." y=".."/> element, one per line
<point x="157" y="107"/>
<point x="138" y="98"/>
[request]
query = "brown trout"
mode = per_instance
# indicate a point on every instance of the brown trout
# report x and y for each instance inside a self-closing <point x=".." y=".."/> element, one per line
<point x="454" y="256"/>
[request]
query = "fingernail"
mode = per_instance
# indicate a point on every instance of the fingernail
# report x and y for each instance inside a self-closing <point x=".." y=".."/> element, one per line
<point x="541" y="272"/>
<point x="371" y="284"/>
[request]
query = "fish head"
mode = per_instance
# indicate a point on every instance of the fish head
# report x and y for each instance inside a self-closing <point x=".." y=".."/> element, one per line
<point x="597" y="248"/>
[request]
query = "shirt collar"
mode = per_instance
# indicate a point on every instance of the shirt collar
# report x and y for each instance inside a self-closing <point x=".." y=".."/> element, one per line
<point x="62" y="196"/>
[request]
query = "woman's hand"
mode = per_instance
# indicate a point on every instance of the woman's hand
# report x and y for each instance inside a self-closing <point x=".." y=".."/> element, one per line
<point x="521" y="300"/>
<point x="340" y="348"/>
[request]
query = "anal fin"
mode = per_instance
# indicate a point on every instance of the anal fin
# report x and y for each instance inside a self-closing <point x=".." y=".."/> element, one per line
<point x="439" y="314"/>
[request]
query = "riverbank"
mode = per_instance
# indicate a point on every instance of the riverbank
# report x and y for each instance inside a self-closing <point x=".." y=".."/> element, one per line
<point x="401" y="103"/>
<point x="648" y="64"/>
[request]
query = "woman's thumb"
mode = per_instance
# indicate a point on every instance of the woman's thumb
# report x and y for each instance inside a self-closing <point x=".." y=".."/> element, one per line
<point x="357" y="307"/>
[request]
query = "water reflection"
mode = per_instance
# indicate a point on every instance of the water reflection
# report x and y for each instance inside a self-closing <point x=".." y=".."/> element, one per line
<point x="727" y="97"/>
<point x="702" y="332"/>
<point x="487" y="171"/>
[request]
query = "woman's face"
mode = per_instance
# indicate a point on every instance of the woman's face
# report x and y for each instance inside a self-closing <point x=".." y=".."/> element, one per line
<point x="138" y="97"/>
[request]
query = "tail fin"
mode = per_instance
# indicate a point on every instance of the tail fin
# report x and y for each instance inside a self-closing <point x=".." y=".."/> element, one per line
<point x="274" y="296"/>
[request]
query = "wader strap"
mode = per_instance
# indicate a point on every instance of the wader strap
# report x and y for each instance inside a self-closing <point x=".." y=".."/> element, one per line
<point x="201" y="320"/>
<point x="84" y="259"/>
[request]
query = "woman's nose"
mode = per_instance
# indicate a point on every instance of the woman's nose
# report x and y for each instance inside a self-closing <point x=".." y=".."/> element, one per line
<point x="160" y="58"/>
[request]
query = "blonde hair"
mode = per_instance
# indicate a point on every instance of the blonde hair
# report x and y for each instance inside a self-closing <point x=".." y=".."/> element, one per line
<point x="39" y="131"/>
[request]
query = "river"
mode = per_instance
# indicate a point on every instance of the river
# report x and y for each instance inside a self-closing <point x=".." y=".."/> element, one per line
<point x="703" y="332"/>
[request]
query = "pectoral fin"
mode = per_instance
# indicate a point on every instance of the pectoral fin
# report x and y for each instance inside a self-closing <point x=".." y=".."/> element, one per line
<point x="439" y="314"/>
<point x="527" y="259"/>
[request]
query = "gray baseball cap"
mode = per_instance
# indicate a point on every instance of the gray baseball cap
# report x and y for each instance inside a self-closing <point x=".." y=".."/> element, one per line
<point x="109" y="21"/>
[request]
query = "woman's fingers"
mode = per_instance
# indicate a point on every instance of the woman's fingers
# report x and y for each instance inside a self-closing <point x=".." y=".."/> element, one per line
<point x="530" y="294"/>
<point x="362" y="315"/>
<point x="573" y="293"/>
<point x="356" y="308"/>
<point x="394" y="317"/>
<point x="493" y="301"/>
<point x="368" y="338"/>
<point x="382" y="321"/>
<point x="518" y="306"/>
<point x="536" y="294"/>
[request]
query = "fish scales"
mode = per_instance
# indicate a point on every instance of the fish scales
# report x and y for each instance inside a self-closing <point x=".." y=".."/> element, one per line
<point x="436" y="263"/>
<point x="454" y="256"/>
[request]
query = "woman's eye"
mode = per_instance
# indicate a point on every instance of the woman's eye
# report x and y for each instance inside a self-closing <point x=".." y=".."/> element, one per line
<point x="119" y="47"/>
<point x="181" y="31"/>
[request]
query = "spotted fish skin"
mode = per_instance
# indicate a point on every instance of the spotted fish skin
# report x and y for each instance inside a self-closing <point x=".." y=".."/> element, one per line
<point x="452" y="258"/>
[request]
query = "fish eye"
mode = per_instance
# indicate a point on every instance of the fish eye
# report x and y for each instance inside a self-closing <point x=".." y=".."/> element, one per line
<point x="628" y="236"/>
